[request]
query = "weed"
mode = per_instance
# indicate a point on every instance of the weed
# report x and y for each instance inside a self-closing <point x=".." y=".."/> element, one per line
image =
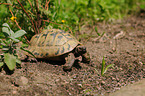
<point x="104" y="69"/>
<point x="33" y="15"/>
<point x="8" y="40"/>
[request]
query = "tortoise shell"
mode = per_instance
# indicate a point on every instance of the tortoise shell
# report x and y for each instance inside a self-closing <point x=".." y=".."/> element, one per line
<point x="51" y="43"/>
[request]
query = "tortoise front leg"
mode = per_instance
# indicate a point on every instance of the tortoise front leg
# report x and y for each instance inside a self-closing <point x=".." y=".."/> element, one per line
<point x="86" y="58"/>
<point x="70" y="59"/>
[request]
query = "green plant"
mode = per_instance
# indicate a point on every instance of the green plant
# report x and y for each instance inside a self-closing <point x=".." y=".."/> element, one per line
<point x="87" y="90"/>
<point x="96" y="30"/>
<point x="103" y="69"/>
<point x="8" y="40"/>
<point x="33" y="15"/>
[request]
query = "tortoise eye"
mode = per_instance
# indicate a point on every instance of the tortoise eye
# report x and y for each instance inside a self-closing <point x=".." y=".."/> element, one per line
<point x="81" y="49"/>
<point x="84" y="48"/>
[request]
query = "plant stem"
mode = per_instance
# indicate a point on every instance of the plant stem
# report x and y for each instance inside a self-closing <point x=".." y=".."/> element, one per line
<point x="28" y="16"/>
<point x="18" y="25"/>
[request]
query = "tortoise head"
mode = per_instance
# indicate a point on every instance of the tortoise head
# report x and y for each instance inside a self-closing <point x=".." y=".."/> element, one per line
<point x="80" y="50"/>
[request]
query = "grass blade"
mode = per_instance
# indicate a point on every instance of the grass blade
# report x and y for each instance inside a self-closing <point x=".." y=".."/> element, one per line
<point x="103" y="66"/>
<point x="108" y="66"/>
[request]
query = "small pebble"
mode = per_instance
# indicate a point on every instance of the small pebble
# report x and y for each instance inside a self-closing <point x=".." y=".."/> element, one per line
<point x="103" y="82"/>
<point x="80" y="85"/>
<point x="14" y="92"/>
<point x="23" y="80"/>
<point x="113" y="78"/>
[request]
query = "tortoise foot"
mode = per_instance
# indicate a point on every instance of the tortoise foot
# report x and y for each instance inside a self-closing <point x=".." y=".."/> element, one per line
<point x="70" y="59"/>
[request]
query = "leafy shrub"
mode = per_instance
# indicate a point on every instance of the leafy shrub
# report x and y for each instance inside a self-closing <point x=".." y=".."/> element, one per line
<point x="64" y="14"/>
<point x="8" y="40"/>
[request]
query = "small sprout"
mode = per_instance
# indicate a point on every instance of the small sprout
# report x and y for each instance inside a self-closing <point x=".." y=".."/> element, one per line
<point x="103" y="69"/>
<point x="100" y="35"/>
<point x="80" y="85"/>
<point x="97" y="31"/>
<point x="87" y="91"/>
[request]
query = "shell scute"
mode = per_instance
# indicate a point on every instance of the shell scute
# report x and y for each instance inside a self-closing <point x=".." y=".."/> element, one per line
<point x="51" y="43"/>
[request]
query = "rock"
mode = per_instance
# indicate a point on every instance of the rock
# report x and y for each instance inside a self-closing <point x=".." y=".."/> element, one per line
<point x="14" y="92"/>
<point x="102" y="82"/>
<point x="23" y="80"/>
<point x="80" y="85"/>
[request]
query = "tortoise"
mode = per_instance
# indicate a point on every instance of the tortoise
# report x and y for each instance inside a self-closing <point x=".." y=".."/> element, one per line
<point x="56" y="44"/>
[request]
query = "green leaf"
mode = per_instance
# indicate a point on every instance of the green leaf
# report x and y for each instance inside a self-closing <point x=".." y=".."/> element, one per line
<point x="142" y="6"/>
<point x="15" y="40"/>
<point x="5" y="24"/>
<point x="96" y="29"/>
<point x="2" y="43"/>
<point x="6" y="28"/>
<point x="9" y="1"/>
<point x="103" y="66"/>
<point x="6" y="31"/>
<point x="1" y="64"/>
<point x="10" y="60"/>
<point x="6" y="42"/>
<point x="19" y="33"/>
<point x="49" y="27"/>
<point x="98" y="34"/>
<point x="5" y="49"/>
<point x="108" y="66"/>
<point x="102" y="34"/>
<point x="24" y="45"/>
<point x="18" y="61"/>
<point x="28" y="51"/>
<point x="2" y="36"/>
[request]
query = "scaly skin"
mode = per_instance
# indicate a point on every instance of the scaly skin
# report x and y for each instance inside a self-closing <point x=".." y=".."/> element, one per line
<point x="70" y="59"/>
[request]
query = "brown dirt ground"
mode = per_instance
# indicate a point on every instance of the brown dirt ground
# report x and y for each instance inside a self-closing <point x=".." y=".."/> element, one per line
<point x="135" y="89"/>
<point x="123" y="44"/>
